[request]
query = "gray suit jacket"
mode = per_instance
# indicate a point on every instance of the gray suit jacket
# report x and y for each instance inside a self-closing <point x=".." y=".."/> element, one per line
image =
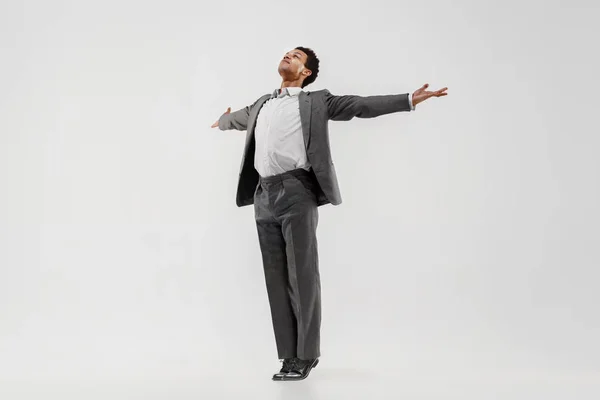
<point x="316" y="109"/>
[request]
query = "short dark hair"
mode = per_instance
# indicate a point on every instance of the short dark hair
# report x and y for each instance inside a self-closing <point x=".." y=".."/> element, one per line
<point x="312" y="63"/>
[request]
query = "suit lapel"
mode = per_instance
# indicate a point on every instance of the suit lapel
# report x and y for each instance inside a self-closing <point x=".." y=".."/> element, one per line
<point x="305" y="114"/>
<point x="252" y="122"/>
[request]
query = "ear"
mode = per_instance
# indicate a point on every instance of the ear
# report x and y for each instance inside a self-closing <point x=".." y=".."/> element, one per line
<point x="307" y="72"/>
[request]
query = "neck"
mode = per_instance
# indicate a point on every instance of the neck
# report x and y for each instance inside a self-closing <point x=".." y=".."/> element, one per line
<point x="296" y="83"/>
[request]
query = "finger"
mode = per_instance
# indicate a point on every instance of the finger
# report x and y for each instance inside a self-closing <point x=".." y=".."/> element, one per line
<point x="422" y="88"/>
<point x="228" y="110"/>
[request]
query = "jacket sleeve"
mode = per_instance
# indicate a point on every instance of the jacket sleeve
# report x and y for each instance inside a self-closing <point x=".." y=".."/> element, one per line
<point x="344" y="108"/>
<point x="236" y="120"/>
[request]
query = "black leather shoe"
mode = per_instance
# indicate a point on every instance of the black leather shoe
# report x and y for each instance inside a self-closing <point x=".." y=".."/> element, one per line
<point x="288" y="364"/>
<point x="300" y="369"/>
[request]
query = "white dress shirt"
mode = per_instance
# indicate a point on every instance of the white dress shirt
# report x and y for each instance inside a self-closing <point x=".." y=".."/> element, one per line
<point x="278" y="134"/>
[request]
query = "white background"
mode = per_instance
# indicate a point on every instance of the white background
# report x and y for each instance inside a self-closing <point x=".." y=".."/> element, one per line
<point x="463" y="262"/>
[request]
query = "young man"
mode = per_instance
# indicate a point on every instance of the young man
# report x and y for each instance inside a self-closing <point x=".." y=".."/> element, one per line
<point x="287" y="173"/>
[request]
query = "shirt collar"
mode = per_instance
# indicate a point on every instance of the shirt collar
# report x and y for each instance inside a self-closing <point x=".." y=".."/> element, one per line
<point x="291" y="91"/>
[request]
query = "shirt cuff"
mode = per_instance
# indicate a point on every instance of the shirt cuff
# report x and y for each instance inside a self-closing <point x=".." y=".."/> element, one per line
<point x="412" y="107"/>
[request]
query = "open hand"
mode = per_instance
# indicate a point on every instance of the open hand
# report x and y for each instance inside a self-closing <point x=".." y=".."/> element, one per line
<point x="216" y="124"/>
<point x="421" y="94"/>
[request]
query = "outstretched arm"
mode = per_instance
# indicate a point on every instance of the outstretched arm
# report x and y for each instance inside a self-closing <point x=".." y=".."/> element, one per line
<point x="234" y="120"/>
<point x="344" y="108"/>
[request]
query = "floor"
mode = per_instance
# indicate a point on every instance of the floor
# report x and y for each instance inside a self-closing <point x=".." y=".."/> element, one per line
<point x="326" y="382"/>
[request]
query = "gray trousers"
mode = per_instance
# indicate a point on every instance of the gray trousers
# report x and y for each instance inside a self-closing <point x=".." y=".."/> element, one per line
<point x="286" y="216"/>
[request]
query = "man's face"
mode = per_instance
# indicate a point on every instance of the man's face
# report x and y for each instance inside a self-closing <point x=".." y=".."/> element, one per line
<point x="292" y="67"/>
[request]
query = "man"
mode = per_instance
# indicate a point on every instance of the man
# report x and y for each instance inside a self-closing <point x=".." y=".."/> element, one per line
<point x="287" y="173"/>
